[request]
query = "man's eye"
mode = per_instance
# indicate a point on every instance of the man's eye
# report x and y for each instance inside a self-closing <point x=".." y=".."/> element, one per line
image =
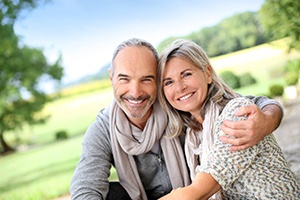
<point x="147" y="80"/>
<point x="123" y="79"/>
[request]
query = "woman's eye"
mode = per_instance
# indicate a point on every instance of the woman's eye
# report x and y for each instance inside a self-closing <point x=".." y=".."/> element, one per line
<point x="166" y="83"/>
<point x="187" y="74"/>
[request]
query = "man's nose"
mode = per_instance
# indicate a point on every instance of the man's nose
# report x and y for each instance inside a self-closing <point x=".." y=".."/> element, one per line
<point x="135" y="89"/>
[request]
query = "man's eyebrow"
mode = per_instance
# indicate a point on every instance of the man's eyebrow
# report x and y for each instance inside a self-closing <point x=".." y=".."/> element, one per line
<point x="122" y="75"/>
<point x="149" y="77"/>
<point x="144" y="77"/>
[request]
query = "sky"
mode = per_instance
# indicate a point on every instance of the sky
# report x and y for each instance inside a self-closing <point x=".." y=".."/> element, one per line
<point x="86" y="32"/>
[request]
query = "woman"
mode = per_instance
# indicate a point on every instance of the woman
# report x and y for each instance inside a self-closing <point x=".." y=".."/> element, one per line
<point x="197" y="102"/>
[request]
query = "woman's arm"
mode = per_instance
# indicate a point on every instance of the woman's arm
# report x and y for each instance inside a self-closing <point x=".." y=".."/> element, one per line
<point x="203" y="186"/>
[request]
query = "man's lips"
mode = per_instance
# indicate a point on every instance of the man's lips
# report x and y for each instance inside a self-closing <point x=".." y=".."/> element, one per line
<point x="135" y="101"/>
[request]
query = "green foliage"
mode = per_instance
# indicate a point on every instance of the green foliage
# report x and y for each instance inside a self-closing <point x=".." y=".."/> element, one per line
<point x="234" y="81"/>
<point x="281" y="18"/>
<point x="247" y="79"/>
<point x="292" y="71"/>
<point x="291" y="78"/>
<point x="61" y="135"/>
<point x="165" y="43"/>
<point x="276" y="90"/>
<point x="238" y="32"/>
<point x="22" y="70"/>
<point x="230" y="79"/>
<point x="10" y="10"/>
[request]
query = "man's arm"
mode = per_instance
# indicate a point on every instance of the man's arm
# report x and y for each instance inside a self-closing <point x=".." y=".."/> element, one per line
<point x="90" y="180"/>
<point x="260" y="123"/>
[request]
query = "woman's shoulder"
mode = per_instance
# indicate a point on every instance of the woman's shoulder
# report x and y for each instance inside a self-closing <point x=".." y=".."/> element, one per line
<point x="239" y="102"/>
<point x="233" y="105"/>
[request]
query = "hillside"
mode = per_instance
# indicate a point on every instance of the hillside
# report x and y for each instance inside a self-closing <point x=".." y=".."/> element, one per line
<point x="265" y="62"/>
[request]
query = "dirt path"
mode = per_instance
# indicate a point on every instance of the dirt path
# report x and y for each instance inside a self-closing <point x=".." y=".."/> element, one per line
<point x="288" y="135"/>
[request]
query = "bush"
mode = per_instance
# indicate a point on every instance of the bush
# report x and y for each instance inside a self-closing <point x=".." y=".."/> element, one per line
<point x="291" y="78"/>
<point x="61" y="135"/>
<point x="230" y="79"/>
<point x="247" y="79"/>
<point x="293" y="65"/>
<point x="276" y="90"/>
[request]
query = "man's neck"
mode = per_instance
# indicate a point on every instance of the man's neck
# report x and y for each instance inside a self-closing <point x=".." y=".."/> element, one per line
<point x="140" y="122"/>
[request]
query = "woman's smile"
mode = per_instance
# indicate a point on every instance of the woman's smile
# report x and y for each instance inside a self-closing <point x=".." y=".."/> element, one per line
<point x="185" y="97"/>
<point x="185" y="85"/>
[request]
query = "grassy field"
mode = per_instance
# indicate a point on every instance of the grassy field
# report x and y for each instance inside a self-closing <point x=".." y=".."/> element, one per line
<point x="44" y="170"/>
<point x="43" y="167"/>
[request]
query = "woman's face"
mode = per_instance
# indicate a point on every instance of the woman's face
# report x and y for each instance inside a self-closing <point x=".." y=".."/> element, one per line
<point x="185" y="85"/>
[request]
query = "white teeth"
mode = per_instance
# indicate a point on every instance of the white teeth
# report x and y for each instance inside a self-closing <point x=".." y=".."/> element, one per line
<point x="135" y="102"/>
<point x="185" y="97"/>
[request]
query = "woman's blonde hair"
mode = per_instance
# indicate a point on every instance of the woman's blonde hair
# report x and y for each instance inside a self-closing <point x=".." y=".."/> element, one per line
<point x="218" y="91"/>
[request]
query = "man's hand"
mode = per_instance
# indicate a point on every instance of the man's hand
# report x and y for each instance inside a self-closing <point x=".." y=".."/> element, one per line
<point x="246" y="133"/>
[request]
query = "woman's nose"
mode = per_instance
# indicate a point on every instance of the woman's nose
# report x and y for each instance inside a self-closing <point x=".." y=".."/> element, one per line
<point x="180" y="86"/>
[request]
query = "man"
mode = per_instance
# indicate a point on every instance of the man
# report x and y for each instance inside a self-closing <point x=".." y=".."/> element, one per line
<point x="129" y="134"/>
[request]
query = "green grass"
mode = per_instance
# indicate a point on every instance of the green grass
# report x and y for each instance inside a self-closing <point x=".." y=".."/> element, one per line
<point x="45" y="169"/>
<point x="39" y="173"/>
<point x="72" y="114"/>
<point x="264" y="62"/>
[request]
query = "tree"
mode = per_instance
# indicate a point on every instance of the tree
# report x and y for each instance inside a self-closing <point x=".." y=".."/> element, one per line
<point x="22" y="69"/>
<point x="234" y="33"/>
<point x="281" y="18"/>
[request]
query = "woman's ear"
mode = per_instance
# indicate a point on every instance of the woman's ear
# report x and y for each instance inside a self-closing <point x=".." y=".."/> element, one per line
<point x="208" y="73"/>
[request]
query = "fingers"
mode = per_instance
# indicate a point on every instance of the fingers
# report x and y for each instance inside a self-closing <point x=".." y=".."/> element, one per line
<point x="232" y="141"/>
<point x="247" y="110"/>
<point x="242" y="134"/>
<point x="239" y="127"/>
<point x="236" y="129"/>
<point x="239" y="138"/>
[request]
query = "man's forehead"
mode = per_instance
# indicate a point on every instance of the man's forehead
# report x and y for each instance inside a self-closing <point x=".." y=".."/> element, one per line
<point x="131" y="71"/>
<point x="138" y="59"/>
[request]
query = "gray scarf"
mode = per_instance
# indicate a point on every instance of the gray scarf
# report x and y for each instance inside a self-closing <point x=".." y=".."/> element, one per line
<point x="125" y="146"/>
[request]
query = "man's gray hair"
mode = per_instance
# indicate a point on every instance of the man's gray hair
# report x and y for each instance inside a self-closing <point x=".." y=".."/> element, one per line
<point x="133" y="42"/>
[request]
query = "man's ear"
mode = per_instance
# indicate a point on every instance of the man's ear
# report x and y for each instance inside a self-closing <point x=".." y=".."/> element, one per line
<point x="110" y="73"/>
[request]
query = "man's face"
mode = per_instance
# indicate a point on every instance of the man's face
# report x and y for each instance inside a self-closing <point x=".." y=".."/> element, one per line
<point x="134" y="81"/>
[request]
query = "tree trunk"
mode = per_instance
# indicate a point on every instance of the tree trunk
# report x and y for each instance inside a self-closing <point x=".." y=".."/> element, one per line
<point x="6" y="148"/>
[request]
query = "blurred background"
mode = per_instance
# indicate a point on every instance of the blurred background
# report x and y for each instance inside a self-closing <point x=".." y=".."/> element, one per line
<point x="54" y="57"/>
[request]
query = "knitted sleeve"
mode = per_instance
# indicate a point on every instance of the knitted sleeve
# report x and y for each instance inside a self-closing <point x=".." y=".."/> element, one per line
<point x="225" y="165"/>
